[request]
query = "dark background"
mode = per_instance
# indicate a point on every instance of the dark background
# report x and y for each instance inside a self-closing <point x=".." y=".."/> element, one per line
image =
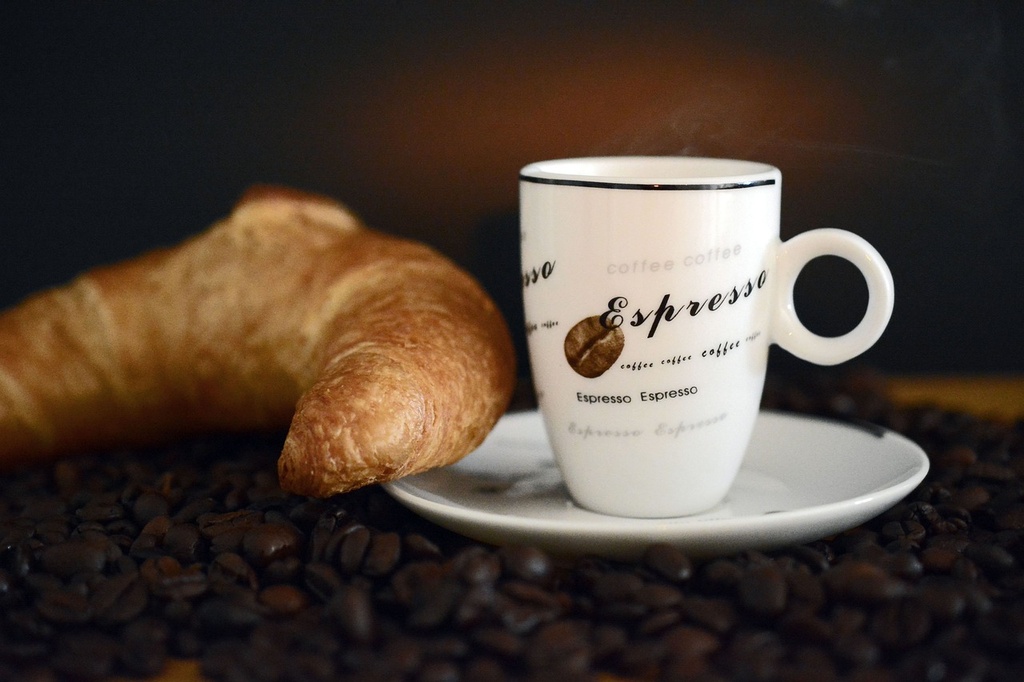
<point x="129" y="125"/>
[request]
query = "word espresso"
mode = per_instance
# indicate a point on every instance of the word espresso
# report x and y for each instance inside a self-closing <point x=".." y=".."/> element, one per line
<point x="613" y="317"/>
<point x="662" y="430"/>
<point x="645" y="396"/>
<point x="534" y="275"/>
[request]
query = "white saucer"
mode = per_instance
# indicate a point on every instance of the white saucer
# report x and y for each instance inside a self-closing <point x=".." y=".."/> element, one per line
<point x="803" y="479"/>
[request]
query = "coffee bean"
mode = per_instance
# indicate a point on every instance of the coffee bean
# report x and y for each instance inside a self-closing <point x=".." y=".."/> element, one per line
<point x="429" y="610"/>
<point x="805" y="589"/>
<point x="283" y="600"/>
<point x="194" y="551"/>
<point x="231" y="569"/>
<point x="763" y="590"/>
<point x="1011" y="518"/>
<point x="617" y="587"/>
<point x="722" y="575"/>
<point x="322" y="580"/>
<point x="353" y="549"/>
<point x="901" y="624"/>
<point x="165" y="577"/>
<point x="228" y="615"/>
<point x="591" y="348"/>
<point x="860" y="581"/>
<point x="659" y="596"/>
<point x="685" y="642"/>
<point x="668" y="562"/>
<point x="526" y="563"/>
<point x="287" y="569"/>
<point x="716" y="615"/>
<point x="477" y="566"/>
<point x="184" y="542"/>
<point x="213" y="524"/>
<point x="416" y="547"/>
<point x="498" y="641"/>
<point x="267" y="542"/>
<point x="562" y="646"/>
<point x="195" y="509"/>
<point x="352" y="608"/>
<point x="991" y="558"/>
<point x="658" y="621"/>
<point x="77" y="555"/>
<point x="84" y="654"/>
<point x="149" y="505"/>
<point x="119" y="599"/>
<point x="64" y="607"/>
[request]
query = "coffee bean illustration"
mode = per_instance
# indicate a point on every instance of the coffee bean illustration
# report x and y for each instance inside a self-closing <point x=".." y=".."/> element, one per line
<point x="591" y="348"/>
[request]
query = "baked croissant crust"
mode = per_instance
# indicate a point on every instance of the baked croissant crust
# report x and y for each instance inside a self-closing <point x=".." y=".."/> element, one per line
<point x="386" y="358"/>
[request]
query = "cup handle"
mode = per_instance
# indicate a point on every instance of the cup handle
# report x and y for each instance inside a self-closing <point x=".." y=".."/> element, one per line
<point x="787" y="330"/>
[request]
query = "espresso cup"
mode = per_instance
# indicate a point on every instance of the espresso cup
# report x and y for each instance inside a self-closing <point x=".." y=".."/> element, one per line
<point x="652" y="289"/>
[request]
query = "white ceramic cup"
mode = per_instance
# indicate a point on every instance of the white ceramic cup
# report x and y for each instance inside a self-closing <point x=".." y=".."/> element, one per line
<point x="653" y="287"/>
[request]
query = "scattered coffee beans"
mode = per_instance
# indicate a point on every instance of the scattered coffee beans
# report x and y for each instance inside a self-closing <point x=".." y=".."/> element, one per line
<point x="111" y="564"/>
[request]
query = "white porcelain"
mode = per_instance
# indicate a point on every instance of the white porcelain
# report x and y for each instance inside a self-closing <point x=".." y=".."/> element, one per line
<point x="803" y="479"/>
<point x="674" y="268"/>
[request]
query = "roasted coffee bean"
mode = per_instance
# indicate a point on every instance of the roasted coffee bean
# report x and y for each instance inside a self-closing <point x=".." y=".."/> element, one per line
<point x="717" y="615"/>
<point x="228" y="615"/>
<point x="64" y="607"/>
<point x="353" y="549"/>
<point x="16" y="559"/>
<point x="267" y="542"/>
<point x="722" y="575"/>
<point x="322" y="580"/>
<point x="194" y="510"/>
<point x="498" y="641"/>
<point x="283" y="600"/>
<point x="119" y="599"/>
<point x="562" y="646"/>
<point x="231" y="569"/>
<point x="144" y="647"/>
<point x="77" y="555"/>
<point x="526" y="563"/>
<point x="763" y="590"/>
<point x="415" y="579"/>
<point x="1011" y="518"/>
<point x="383" y="555"/>
<point x="658" y="621"/>
<point x="166" y="578"/>
<point x="98" y="510"/>
<point x="183" y="542"/>
<point x="655" y="596"/>
<point x="804" y="589"/>
<point x="861" y="581"/>
<point x="417" y="547"/>
<point x="84" y="654"/>
<point x="149" y="505"/>
<point x="213" y="524"/>
<point x="195" y="552"/>
<point x="283" y="570"/>
<point x="429" y="610"/>
<point x="901" y="624"/>
<point x="668" y="562"/>
<point x="990" y="558"/>
<point x="617" y="587"/>
<point x="352" y="609"/>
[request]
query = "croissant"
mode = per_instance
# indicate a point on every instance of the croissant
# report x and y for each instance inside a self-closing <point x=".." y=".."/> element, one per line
<point x="385" y="357"/>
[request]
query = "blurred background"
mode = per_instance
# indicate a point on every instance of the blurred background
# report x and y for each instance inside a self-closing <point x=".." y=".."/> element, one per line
<point x="129" y="125"/>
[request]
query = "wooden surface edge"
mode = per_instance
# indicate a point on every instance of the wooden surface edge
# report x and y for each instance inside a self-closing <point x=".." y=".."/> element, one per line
<point x="993" y="396"/>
